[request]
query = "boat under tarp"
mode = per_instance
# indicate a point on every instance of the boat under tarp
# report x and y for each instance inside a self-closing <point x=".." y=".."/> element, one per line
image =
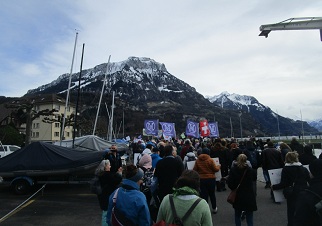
<point x="92" y="142"/>
<point x="44" y="159"/>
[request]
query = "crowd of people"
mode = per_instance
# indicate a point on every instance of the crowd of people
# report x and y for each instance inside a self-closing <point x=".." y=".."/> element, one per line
<point x="163" y="187"/>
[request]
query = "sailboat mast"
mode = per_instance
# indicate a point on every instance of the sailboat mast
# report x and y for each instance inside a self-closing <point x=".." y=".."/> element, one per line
<point x="67" y="98"/>
<point x="111" y="120"/>
<point x="99" y="104"/>
<point x="78" y="92"/>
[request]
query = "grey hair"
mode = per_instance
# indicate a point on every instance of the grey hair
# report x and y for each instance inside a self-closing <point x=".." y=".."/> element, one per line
<point x="101" y="167"/>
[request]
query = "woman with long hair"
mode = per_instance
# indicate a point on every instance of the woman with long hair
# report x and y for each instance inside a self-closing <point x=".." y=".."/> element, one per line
<point x="245" y="203"/>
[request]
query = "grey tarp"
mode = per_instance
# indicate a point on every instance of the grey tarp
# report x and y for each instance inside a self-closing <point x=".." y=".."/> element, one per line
<point x="91" y="142"/>
<point x="41" y="158"/>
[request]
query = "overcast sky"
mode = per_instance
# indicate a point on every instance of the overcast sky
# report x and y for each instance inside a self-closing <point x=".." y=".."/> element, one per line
<point x="213" y="45"/>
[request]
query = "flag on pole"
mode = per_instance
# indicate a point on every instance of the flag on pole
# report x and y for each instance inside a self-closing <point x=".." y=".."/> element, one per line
<point x="205" y="131"/>
<point x="213" y="126"/>
<point x="151" y="127"/>
<point x="192" y="129"/>
<point x="168" y="129"/>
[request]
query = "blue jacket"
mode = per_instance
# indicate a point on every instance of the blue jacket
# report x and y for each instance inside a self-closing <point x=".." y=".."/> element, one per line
<point x="132" y="203"/>
<point x="155" y="158"/>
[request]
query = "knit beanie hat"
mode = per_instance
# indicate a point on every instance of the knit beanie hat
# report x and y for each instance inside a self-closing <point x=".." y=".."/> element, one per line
<point x="138" y="176"/>
<point x="146" y="161"/>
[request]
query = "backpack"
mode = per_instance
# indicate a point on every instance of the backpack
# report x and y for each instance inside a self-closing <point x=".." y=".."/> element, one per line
<point x="318" y="205"/>
<point x="190" y="158"/>
<point x="117" y="217"/>
<point x="253" y="158"/>
<point x="177" y="220"/>
<point x="95" y="185"/>
<point x="147" y="179"/>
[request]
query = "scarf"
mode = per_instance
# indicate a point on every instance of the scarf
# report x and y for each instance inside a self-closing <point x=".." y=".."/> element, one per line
<point x="184" y="191"/>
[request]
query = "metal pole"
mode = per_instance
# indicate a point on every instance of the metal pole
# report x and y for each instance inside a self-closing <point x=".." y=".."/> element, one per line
<point x="78" y="92"/>
<point x="278" y="127"/>
<point x="302" y="127"/>
<point x="111" y="121"/>
<point x="67" y="98"/>
<point x="231" y="128"/>
<point x="241" y="129"/>
<point x="99" y="104"/>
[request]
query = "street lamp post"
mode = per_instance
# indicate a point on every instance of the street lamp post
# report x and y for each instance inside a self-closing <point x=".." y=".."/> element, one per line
<point x="241" y="129"/>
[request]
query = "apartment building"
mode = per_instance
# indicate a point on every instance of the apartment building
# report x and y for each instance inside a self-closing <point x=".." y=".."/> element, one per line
<point x="48" y="128"/>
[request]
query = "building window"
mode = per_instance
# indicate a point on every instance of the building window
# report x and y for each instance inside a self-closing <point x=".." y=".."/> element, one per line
<point x="37" y="134"/>
<point x="56" y="124"/>
<point x="56" y="134"/>
<point x="36" y="125"/>
<point x="67" y="134"/>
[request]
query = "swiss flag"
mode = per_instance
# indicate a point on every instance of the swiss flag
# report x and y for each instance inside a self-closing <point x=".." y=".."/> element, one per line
<point x="205" y="131"/>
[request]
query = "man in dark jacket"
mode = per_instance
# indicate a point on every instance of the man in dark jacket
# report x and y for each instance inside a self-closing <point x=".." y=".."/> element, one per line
<point x="305" y="210"/>
<point x="114" y="158"/>
<point x="167" y="171"/>
<point x="271" y="159"/>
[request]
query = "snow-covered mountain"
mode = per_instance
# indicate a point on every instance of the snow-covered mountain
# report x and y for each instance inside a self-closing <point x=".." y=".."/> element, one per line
<point x="145" y="89"/>
<point x="261" y="113"/>
<point x="316" y="124"/>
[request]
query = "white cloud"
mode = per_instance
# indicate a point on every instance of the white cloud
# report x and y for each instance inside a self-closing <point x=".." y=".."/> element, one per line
<point x="213" y="45"/>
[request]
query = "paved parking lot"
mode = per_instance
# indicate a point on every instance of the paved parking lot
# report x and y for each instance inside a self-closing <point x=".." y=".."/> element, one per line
<point x="74" y="205"/>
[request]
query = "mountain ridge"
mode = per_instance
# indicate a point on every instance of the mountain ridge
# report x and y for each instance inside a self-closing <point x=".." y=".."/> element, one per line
<point x="145" y="89"/>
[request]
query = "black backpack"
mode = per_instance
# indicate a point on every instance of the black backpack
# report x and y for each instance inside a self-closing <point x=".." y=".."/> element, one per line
<point x="318" y="205"/>
<point x="95" y="186"/>
<point x="253" y="158"/>
<point x="147" y="180"/>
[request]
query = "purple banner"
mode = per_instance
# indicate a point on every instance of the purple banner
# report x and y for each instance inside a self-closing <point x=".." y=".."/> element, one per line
<point x="151" y="127"/>
<point x="168" y="129"/>
<point x="213" y="126"/>
<point x="192" y="129"/>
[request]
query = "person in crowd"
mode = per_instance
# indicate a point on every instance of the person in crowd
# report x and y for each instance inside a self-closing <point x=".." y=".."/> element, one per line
<point x="221" y="152"/>
<point x="129" y="200"/>
<point x="186" y="192"/>
<point x="296" y="146"/>
<point x="293" y="174"/>
<point x="254" y="159"/>
<point x="305" y="211"/>
<point x="207" y="168"/>
<point x="148" y="150"/>
<point x="155" y="157"/>
<point x="284" y="149"/>
<point x="271" y="159"/>
<point x="161" y="146"/>
<point x="307" y="157"/>
<point x="245" y="203"/>
<point x="145" y="162"/>
<point x="186" y="147"/>
<point x="167" y="171"/>
<point x="175" y="154"/>
<point x="114" y="158"/>
<point x="190" y="156"/>
<point x="109" y="182"/>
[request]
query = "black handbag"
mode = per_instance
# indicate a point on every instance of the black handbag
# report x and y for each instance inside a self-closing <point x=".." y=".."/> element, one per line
<point x="288" y="191"/>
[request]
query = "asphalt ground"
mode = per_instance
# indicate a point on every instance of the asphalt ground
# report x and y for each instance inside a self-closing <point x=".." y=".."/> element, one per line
<point x="74" y="205"/>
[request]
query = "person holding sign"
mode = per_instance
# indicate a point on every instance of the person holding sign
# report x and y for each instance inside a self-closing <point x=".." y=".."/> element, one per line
<point x="294" y="178"/>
